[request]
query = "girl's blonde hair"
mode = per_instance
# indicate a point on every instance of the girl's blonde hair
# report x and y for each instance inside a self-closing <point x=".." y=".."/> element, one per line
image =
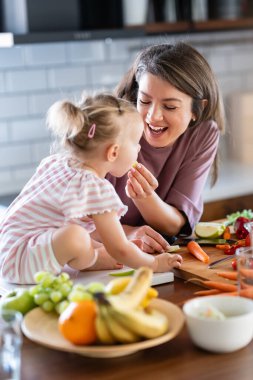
<point x="71" y="123"/>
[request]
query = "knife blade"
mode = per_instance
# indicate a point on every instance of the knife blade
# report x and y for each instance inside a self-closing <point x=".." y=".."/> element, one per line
<point x="214" y="263"/>
<point x="185" y="241"/>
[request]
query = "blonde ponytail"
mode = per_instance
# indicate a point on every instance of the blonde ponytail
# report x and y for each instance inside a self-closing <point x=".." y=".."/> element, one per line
<point x="65" y="120"/>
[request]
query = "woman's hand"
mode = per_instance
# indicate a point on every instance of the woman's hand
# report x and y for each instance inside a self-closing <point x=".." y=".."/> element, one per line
<point x="147" y="239"/>
<point x="141" y="183"/>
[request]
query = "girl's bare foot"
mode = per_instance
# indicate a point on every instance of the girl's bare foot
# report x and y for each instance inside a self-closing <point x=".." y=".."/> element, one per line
<point x="104" y="261"/>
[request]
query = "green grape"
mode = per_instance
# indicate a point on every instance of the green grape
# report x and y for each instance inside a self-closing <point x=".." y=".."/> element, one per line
<point x="48" y="281"/>
<point x="77" y="295"/>
<point x="63" y="277"/>
<point x="95" y="287"/>
<point x="56" y="296"/>
<point x="65" y="289"/>
<point x="35" y="289"/>
<point x="48" y="306"/>
<point x="39" y="276"/>
<point x="40" y="298"/>
<point x="80" y="287"/>
<point x="61" y="306"/>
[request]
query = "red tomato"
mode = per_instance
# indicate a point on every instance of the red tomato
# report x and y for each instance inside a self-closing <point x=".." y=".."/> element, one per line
<point x="234" y="265"/>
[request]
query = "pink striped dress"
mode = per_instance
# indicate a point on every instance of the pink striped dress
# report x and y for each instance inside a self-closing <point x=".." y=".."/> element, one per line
<point x="59" y="193"/>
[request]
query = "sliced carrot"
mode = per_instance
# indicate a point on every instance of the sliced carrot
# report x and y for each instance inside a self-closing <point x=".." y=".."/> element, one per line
<point x="223" y="246"/>
<point x="228" y="275"/>
<point x="195" y="249"/>
<point x="208" y="292"/>
<point x="227" y="233"/>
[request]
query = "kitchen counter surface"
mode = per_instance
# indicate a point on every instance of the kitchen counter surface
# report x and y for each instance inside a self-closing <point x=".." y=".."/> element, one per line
<point x="178" y="359"/>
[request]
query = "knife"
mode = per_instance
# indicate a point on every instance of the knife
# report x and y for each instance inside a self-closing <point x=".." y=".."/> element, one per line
<point x="185" y="241"/>
<point x="214" y="263"/>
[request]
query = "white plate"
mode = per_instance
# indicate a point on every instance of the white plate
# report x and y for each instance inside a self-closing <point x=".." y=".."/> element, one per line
<point x="42" y="328"/>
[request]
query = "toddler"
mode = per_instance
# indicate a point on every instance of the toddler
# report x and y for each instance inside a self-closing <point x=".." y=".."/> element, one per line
<point x="49" y="224"/>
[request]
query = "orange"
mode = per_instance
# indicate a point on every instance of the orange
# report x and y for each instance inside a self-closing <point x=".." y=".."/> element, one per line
<point x="77" y="322"/>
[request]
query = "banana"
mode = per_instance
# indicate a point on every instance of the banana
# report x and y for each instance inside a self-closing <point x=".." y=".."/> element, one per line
<point x="147" y="325"/>
<point x="103" y="333"/>
<point x="118" y="285"/>
<point x="135" y="290"/>
<point x="119" y="332"/>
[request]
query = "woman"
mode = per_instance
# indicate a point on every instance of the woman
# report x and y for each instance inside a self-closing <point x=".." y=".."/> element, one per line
<point x="177" y="95"/>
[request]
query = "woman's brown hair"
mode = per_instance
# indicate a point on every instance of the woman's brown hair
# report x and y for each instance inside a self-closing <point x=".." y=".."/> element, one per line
<point x="187" y="70"/>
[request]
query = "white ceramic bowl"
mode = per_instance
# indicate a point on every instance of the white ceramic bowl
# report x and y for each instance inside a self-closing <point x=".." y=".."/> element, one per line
<point x="230" y="334"/>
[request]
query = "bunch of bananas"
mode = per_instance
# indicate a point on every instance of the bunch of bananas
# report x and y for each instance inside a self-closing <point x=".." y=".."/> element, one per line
<point x="124" y="316"/>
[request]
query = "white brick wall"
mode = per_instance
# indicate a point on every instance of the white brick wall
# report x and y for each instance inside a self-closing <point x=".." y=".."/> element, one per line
<point x="33" y="76"/>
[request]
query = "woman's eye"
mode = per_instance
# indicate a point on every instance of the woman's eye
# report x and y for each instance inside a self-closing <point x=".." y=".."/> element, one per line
<point x="170" y="108"/>
<point x="143" y="102"/>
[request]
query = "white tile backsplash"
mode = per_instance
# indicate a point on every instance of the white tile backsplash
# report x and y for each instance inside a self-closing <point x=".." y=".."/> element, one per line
<point x="10" y="58"/>
<point x="29" y="130"/>
<point x="34" y="76"/>
<point x="3" y="133"/>
<point x="13" y="106"/>
<point x="90" y="51"/>
<point x="14" y="155"/>
<point x="45" y="54"/>
<point x="67" y="77"/>
<point x="26" y="80"/>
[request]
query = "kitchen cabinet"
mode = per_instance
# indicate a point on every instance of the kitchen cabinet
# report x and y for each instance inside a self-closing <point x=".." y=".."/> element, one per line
<point x="135" y="31"/>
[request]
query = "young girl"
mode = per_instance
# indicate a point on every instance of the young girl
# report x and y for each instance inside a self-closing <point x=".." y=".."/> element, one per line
<point x="50" y="222"/>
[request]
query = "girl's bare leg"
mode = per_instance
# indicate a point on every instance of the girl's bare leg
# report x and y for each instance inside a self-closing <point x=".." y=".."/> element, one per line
<point x="72" y="245"/>
<point x="104" y="261"/>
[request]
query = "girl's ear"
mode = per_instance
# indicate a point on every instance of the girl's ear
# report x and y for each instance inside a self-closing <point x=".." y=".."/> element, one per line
<point x="112" y="152"/>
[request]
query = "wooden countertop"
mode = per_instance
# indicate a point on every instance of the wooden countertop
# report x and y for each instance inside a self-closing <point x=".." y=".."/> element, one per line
<point x="178" y="359"/>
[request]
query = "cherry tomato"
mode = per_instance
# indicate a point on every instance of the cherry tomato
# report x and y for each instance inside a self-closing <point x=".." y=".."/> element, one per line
<point x="234" y="265"/>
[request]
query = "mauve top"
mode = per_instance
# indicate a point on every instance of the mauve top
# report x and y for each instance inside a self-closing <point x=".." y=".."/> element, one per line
<point x="181" y="170"/>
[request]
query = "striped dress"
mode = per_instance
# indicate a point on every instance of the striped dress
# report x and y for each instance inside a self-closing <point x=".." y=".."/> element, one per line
<point x="59" y="193"/>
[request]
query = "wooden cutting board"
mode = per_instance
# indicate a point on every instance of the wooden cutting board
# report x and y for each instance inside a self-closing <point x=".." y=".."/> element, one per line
<point x="192" y="267"/>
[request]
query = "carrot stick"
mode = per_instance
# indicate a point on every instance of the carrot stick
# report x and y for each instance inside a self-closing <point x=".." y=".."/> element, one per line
<point x="220" y="285"/>
<point x="223" y="246"/>
<point x="195" y="249"/>
<point x="225" y="287"/>
<point x="247" y="293"/>
<point x="226" y="233"/>
<point x="228" y="275"/>
<point x="208" y="292"/>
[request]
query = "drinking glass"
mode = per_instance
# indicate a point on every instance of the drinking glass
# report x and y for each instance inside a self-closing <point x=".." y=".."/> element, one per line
<point x="249" y="227"/>
<point x="10" y="344"/>
<point x="244" y="258"/>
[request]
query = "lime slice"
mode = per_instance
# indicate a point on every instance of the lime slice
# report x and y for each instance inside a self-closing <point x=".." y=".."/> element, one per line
<point x="209" y="230"/>
<point x="121" y="274"/>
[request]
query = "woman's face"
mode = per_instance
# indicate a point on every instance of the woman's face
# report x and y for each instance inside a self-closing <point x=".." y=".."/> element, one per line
<point x="165" y="110"/>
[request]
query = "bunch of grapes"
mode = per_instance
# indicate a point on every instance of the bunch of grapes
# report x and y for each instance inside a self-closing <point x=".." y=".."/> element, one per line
<point x="55" y="292"/>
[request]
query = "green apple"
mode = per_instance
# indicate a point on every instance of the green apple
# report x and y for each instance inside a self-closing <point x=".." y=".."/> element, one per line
<point x="18" y="299"/>
<point x="209" y="230"/>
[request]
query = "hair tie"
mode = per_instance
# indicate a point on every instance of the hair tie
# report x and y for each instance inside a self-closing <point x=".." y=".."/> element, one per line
<point x="92" y="130"/>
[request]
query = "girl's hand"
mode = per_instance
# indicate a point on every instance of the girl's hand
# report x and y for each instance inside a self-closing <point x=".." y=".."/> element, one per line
<point x="147" y="239"/>
<point x="141" y="183"/>
<point x="167" y="261"/>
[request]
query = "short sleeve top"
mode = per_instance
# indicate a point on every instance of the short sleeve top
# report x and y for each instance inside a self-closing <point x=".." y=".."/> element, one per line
<point x="181" y="170"/>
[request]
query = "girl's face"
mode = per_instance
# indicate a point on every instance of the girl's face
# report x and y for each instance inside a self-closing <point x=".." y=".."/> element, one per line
<point x="166" y="111"/>
<point x="129" y="147"/>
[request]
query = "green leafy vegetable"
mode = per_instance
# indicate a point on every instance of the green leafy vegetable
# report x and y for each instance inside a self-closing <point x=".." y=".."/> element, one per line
<point x="245" y="213"/>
